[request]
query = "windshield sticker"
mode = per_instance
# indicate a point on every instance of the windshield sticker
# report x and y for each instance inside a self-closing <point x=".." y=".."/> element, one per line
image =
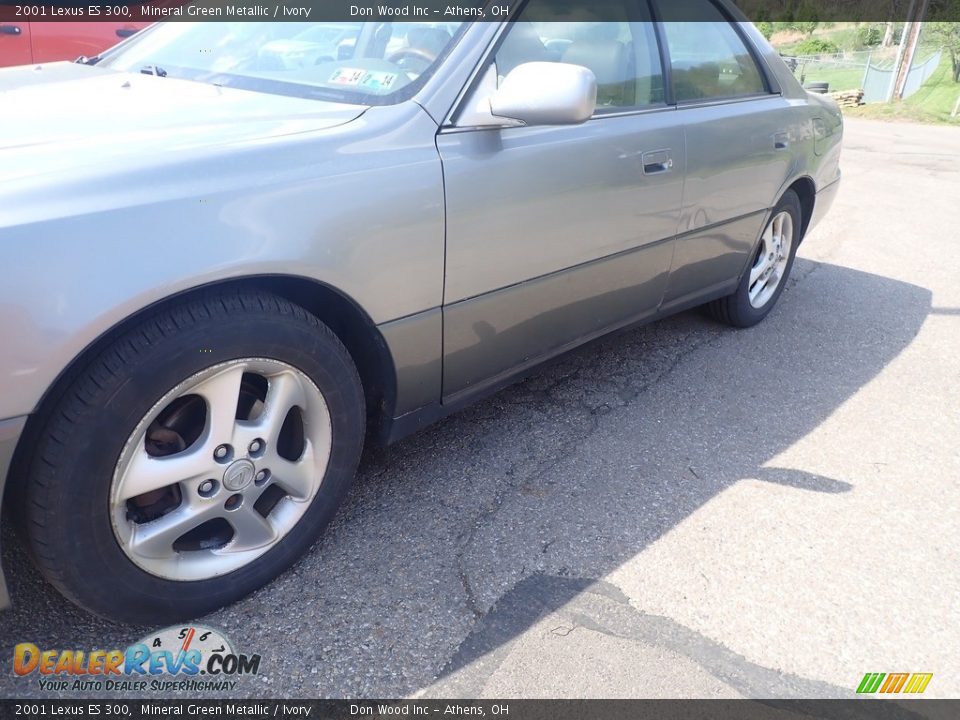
<point x="379" y="80"/>
<point x="347" y="76"/>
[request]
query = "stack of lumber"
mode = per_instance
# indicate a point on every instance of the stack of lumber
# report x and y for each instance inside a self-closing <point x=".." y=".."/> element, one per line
<point x="848" y="98"/>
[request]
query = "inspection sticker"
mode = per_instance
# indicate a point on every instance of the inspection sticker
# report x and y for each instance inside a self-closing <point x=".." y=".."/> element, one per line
<point x="379" y="80"/>
<point x="347" y="76"/>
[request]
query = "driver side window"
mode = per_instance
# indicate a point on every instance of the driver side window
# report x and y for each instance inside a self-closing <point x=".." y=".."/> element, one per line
<point x="623" y="54"/>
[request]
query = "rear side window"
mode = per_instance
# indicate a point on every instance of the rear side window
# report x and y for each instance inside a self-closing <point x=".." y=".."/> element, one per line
<point x="622" y="54"/>
<point x="709" y="59"/>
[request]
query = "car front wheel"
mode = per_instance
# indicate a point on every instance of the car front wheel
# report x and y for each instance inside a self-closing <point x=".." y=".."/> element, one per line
<point x="195" y="459"/>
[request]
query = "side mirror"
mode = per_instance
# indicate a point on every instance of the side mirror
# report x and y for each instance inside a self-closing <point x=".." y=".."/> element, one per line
<point x="545" y="93"/>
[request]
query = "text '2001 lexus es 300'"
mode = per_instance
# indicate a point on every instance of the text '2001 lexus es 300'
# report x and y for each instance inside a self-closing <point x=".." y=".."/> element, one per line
<point x="234" y="251"/>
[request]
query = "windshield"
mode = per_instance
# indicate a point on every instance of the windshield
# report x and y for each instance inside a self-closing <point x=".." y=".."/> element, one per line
<point x="363" y="63"/>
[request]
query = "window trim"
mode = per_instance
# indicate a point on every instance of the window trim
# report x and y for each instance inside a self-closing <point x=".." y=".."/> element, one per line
<point x="665" y="65"/>
<point x="716" y="102"/>
<point x="477" y="75"/>
<point x="772" y="87"/>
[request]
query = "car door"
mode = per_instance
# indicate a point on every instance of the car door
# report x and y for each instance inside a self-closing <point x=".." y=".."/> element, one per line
<point x="53" y="41"/>
<point x="557" y="234"/>
<point x="15" y="44"/>
<point x="738" y="133"/>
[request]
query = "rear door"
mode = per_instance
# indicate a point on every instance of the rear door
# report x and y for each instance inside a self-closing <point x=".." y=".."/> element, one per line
<point x="15" y="44"/>
<point x="738" y="138"/>
<point x="557" y="234"/>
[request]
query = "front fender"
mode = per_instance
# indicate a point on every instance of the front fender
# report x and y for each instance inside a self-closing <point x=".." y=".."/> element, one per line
<point x="358" y="207"/>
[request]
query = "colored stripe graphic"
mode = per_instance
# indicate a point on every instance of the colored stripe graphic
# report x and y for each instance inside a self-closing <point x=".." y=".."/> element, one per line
<point x="894" y="683"/>
<point x="913" y="683"/>
<point x="918" y="682"/>
<point x="870" y="682"/>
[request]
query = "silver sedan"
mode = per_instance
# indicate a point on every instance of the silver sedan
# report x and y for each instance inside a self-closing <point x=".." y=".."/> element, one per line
<point x="236" y="251"/>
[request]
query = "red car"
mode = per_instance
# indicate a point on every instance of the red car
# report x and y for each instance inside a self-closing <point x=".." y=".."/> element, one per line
<point x="22" y="43"/>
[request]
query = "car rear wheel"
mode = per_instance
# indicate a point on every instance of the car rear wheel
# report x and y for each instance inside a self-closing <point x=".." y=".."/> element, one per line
<point x="770" y="265"/>
<point x="195" y="459"/>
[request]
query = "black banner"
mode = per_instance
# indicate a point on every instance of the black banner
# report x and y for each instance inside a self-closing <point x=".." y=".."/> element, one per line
<point x="852" y="709"/>
<point x="463" y="10"/>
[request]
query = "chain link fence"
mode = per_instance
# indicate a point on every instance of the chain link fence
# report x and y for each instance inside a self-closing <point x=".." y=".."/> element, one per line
<point x="868" y="70"/>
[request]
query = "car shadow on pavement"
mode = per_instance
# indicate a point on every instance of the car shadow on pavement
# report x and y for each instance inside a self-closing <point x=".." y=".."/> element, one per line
<point x="538" y="492"/>
<point x="601" y="608"/>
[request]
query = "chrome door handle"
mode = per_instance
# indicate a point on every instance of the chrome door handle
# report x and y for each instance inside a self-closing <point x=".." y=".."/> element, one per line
<point x="657" y="161"/>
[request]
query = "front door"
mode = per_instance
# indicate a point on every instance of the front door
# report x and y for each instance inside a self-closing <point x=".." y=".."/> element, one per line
<point x="15" y="44"/>
<point x="558" y="234"/>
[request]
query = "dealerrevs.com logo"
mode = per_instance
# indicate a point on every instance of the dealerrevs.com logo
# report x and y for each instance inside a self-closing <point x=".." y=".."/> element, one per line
<point x="178" y="658"/>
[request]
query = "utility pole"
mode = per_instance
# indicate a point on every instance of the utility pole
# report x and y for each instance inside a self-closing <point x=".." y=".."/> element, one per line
<point x="898" y="63"/>
<point x="908" y="49"/>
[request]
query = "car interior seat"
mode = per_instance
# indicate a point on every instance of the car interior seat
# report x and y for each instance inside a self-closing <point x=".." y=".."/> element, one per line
<point x="521" y="45"/>
<point x="432" y="41"/>
<point x="598" y="48"/>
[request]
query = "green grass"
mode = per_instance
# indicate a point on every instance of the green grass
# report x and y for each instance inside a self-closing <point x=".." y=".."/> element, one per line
<point x="932" y="103"/>
<point x="844" y="35"/>
<point x="840" y="78"/>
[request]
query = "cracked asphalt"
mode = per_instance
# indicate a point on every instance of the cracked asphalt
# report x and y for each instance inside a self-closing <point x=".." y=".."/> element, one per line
<point x="682" y="510"/>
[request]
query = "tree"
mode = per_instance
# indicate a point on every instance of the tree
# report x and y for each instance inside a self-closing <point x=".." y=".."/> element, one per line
<point x="888" y="35"/>
<point x="947" y="35"/>
<point x="806" y="27"/>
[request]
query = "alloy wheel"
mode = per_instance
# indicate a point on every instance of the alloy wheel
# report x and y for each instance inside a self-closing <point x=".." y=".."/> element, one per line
<point x="770" y="264"/>
<point x="221" y="469"/>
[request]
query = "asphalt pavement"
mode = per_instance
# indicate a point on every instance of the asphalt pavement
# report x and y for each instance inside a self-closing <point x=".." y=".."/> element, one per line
<point x="684" y="510"/>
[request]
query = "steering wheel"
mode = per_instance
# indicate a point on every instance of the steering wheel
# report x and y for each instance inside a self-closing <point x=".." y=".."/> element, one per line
<point x="418" y="53"/>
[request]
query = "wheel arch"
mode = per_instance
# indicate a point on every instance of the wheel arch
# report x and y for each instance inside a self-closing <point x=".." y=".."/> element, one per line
<point x="344" y="316"/>
<point x="806" y="190"/>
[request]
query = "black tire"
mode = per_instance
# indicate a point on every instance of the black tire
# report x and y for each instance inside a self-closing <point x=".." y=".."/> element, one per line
<point x="736" y="309"/>
<point x="67" y="486"/>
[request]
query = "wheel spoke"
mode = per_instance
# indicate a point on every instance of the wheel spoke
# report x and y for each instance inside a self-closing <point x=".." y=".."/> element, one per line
<point x="767" y="246"/>
<point x="298" y="478"/>
<point x="758" y="289"/>
<point x="146" y="473"/>
<point x="251" y="529"/>
<point x="222" y="393"/>
<point x="777" y="231"/>
<point x="769" y="239"/>
<point x="155" y="539"/>
<point x="758" y="270"/>
<point x="284" y="393"/>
